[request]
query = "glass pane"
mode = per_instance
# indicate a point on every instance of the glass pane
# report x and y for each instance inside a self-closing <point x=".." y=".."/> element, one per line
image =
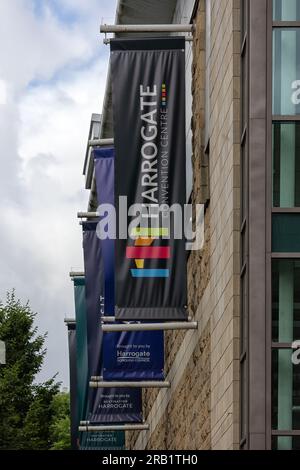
<point x="286" y="10"/>
<point x="285" y="395"/>
<point x="286" y="164"/>
<point x="286" y="233"/>
<point x="285" y="301"/>
<point x="276" y="443"/>
<point x="286" y="71"/>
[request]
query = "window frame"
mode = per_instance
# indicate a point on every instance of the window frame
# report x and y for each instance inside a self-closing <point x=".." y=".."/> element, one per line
<point x="273" y="346"/>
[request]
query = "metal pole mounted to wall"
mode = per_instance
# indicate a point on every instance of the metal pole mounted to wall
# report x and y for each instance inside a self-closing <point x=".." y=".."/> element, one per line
<point x="74" y="274"/>
<point x="101" y="142"/>
<point x="111" y="427"/>
<point x="70" y="321"/>
<point x="151" y="326"/>
<point x="128" y="384"/>
<point x="147" y="28"/>
<point x="180" y="325"/>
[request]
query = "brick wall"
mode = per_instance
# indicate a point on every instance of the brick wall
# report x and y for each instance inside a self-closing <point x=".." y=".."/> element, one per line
<point x="225" y="221"/>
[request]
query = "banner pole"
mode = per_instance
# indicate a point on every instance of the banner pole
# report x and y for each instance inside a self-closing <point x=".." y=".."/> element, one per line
<point x="106" y="319"/>
<point x="76" y="274"/>
<point x="147" y="28"/>
<point x="124" y="427"/>
<point x="106" y="41"/>
<point x="87" y="215"/>
<point x="151" y="326"/>
<point x="100" y="142"/>
<point x="70" y="321"/>
<point x="144" y="384"/>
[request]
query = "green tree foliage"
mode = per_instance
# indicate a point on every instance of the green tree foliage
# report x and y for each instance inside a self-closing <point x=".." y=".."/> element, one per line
<point x="60" y="429"/>
<point x="26" y="410"/>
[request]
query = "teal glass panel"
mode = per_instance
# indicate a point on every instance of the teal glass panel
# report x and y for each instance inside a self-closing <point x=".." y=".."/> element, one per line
<point x="286" y="164"/>
<point x="285" y="396"/>
<point x="276" y="443"/>
<point x="285" y="301"/>
<point x="286" y="233"/>
<point x="286" y="10"/>
<point x="285" y="362"/>
<point x="286" y="71"/>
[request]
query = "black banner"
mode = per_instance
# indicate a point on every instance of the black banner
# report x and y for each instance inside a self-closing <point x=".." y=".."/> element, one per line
<point x="148" y="88"/>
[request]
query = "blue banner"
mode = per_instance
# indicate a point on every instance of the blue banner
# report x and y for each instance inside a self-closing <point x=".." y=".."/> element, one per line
<point x="126" y="356"/>
<point x="94" y="294"/>
<point x="133" y="356"/>
<point x="114" y="440"/>
<point x="105" y="405"/>
<point x="104" y="174"/>
<point x="117" y="406"/>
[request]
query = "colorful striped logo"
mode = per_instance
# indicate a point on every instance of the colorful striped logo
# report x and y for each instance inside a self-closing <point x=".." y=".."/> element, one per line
<point x="143" y="250"/>
<point x="163" y="95"/>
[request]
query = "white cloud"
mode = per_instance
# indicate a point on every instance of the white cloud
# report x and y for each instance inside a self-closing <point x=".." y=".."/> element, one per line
<point x="36" y="48"/>
<point x="54" y="120"/>
<point x="43" y="133"/>
<point x="3" y="92"/>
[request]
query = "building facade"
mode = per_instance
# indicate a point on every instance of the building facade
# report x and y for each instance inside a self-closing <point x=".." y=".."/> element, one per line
<point x="233" y="382"/>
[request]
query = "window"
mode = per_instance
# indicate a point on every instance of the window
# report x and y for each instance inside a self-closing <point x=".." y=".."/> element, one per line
<point x="286" y="10"/>
<point x="285" y="301"/>
<point x="285" y="329"/>
<point x="285" y="375"/>
<point x="286" y="233"/>
<point x="286" y="71"/>
<point x="286" y="164"/>
<point x="285" y="397"/>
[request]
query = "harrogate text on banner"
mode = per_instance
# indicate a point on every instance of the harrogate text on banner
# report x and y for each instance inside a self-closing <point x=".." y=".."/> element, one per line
<point x="148" y="90"/>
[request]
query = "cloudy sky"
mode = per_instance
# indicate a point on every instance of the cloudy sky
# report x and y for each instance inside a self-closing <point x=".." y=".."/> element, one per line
<point x="52" y="77"/>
